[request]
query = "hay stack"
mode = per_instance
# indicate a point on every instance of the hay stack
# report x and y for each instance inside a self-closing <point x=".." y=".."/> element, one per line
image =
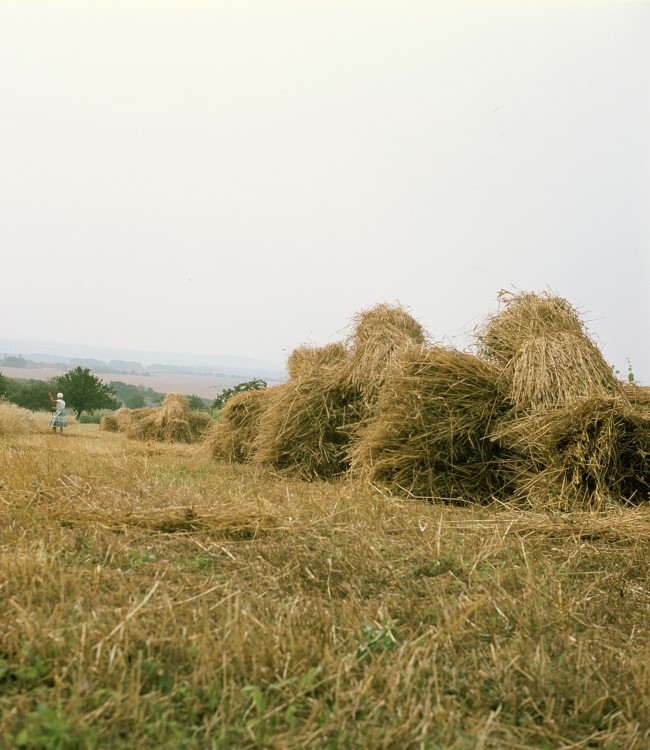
<point x="581" y="454"/>
<point x="557" y="367"/>
<point x="428" y="435"/>
<point x="305" y="360"/>
<point x="524" y="316"/>
<point x="170" y="423"/>
<point x="306" y="428"/>
<point x="108" y="423"/>
<point x="233" y="436"/>
<point x="547" y="354"/>
<point x="378" y="337"/>
<point x="118" y="421"/>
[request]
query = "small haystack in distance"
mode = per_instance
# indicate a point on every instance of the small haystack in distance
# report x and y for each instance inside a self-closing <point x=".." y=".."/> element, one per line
<point x="378" y="337"/>
<point x="170" y="423"/>
<point x="305" y="360"/>
<point x="233" y="436"/>
<point x="580" y="454"/>
<point x="428" y="436"/>
<point x="305" y="430"/>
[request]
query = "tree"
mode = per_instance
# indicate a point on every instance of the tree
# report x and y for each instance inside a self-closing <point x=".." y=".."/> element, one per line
<point x="4" y="385"/>
<point x="250" y="385"/>
<point x="82" y="391"/>
<point x="33" y="395"/>
<point x="196" y="403"/>
<point x="136" y="401"/>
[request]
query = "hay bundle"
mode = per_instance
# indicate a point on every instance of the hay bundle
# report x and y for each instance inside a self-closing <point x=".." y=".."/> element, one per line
<point x="233" y="436"/>
<point x="638" y="396"/>
<point x="428" y="435"/>
<point x="170" y="423"/>
<point x="378" y="337"/>
<point x="557" y="367"/>
<point x="522" y="317"/>
<point x="118" y="421"/>
<point x="137" y="421"/>
<point x="306" y="428"/>
<point x="581" y="454"/>
<point x="109" y="423"/>
<point x="200" y="423"/>
<point x="305" y="360"/>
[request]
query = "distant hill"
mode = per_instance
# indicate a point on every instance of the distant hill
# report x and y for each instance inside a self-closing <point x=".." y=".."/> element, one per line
<point x="101" y="360"/>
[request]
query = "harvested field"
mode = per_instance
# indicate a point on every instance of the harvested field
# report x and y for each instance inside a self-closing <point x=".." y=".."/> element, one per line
<point x="154" y="598"/>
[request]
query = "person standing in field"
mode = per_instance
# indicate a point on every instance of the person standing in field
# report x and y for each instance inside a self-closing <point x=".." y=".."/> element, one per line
<point x="59" y="418"/>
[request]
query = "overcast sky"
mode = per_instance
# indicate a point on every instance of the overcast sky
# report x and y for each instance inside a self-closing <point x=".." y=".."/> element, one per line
<point x="243" y="176"/>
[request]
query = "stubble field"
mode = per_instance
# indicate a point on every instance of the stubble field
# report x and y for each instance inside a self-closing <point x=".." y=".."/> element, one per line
<point x="153" y="598"/>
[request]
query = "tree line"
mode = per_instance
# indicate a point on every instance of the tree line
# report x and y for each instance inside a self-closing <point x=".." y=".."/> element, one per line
<point x="85" y="392"/>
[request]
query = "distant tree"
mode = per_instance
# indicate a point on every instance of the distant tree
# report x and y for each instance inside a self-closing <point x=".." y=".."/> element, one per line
<point x="18" y="361"/>
<point x="136" y="401"/>
<point x="33" y="395"/>
<point x="197" y="403"/>
<point x="250" y="385"/>
<point x="82" y="391"/>
<point x="4" y="385"/>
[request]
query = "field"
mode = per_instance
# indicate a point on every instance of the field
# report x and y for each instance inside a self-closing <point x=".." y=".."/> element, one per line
<point x="153" y="598"/>
<point x="206" y="386"/>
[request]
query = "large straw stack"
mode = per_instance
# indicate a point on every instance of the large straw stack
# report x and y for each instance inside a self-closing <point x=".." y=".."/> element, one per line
<point x="548" y="356"/>
<point x="306" y="360"/>
<point x="305" y="430"/>
<point x="377" y="338"/>
<point x="570" y="420"/>
<point x="584" y="453"/>
<point x="429" y="433"/>
<point x="233" y="436"/>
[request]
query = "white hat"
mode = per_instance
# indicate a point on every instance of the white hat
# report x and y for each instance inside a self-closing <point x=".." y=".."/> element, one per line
<point x="59" y="395"/>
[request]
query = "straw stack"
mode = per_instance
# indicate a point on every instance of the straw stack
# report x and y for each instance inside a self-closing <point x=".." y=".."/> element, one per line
<point x="306" y="360"/>
<point x="233" y="436"/>
<point x="378" y="337"/>
<point x="172" y="422"/>
<point x="306" y="428"/>
<point x="429" y="433"/>
<point x="571" y="420"/>
<point x="117" y="421"/>
<point x="585" y="453"/>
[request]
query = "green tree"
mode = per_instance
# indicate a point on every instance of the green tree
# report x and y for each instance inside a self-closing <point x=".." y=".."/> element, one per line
<point x="197" y="403"/>
<point x="83" y="391"/>
<point x="4" y="385"/>
<point x="33" y="395"/>
<point x="250" y="385"/>
<point x="136" y="401"/>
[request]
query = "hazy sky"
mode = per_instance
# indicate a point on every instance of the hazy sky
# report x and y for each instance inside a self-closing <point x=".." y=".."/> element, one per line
<point x="241" y="177"/>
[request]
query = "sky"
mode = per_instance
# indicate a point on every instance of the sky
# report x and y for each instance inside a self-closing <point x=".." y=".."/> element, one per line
<point x="243" y="176"/>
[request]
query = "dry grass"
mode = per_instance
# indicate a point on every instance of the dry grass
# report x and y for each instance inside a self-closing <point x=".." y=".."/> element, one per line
<point x="154" y="598"/>
<point x="14" y="420"/>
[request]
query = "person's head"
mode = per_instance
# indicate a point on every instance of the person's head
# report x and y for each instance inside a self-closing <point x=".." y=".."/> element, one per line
<point x="59" y="395"/>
